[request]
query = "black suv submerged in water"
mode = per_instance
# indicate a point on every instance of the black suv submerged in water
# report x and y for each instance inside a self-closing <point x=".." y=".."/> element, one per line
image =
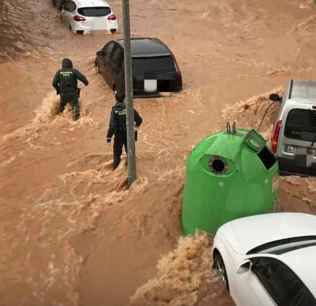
<point x="154" y="66"/>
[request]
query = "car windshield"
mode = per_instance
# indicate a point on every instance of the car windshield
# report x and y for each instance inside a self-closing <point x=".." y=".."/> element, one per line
<point x="301" y="124"/>
<point x="147" y="65"/>
<point x="282" y="246"/>
<point x="94" y="11"/>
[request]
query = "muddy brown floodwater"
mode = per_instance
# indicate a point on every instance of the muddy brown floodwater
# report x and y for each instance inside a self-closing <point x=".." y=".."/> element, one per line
<point x="69" y="233"/>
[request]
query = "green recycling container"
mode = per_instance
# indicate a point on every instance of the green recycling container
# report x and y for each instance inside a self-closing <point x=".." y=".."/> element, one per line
<point x="229" y="175"/>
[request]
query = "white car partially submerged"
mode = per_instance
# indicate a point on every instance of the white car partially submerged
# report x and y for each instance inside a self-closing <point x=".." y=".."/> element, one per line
<point x="84" y="16"/>
<point x="269" y="259"/>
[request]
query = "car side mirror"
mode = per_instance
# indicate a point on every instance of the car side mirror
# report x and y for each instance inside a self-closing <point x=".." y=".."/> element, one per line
<point x="246" y="266"/>
<point x="275" y="97"/>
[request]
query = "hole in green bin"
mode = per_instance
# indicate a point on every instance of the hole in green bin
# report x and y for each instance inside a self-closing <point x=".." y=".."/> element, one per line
<point x="218" y="165"/>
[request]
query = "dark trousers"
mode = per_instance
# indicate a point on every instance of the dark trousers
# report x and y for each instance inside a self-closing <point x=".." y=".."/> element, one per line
<point x="120" y="140"/>
<point x="74" y="102"/>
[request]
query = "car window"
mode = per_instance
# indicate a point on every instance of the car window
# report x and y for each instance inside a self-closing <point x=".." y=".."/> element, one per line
<point x="94" y="11"/>
<point x="160" y="64"/>
<point x="284" y="286"/>
<point x="301" y="124"/>
<point x="69" y="6"/>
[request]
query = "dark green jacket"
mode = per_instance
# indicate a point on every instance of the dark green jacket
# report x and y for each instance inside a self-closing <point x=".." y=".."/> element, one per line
<point x="71" y="86"/>
<point x="117" y="123"/>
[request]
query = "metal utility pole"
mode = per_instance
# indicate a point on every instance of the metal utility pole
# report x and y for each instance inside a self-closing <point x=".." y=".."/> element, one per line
<point x="131" y="157"/>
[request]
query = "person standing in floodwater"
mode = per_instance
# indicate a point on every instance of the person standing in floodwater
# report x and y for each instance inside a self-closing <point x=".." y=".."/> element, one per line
<point x="66" y="84"/>
<point x="117" y="127"/>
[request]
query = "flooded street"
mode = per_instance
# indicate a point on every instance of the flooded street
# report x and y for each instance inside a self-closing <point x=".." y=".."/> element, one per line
<point x="69" y="233"/>
<point x="26" y="26"/>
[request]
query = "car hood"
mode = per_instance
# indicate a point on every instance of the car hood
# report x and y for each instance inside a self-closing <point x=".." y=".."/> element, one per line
<point x="247" y="233"/>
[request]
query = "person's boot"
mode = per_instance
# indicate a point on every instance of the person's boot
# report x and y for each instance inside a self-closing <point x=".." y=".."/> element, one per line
<point x="116" y="162"/>
<point x="61" y="106"/>
<point x="75" y="111"/>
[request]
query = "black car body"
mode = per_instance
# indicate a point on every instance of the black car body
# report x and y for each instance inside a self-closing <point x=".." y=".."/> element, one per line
<point x="153" y="64"/>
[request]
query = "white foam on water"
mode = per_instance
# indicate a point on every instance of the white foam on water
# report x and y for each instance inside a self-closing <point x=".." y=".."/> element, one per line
<point x="183" y="278"/>
<point x="47" y="116"/>
<point x="249" y="113"/>
<point x="47" y="110"/>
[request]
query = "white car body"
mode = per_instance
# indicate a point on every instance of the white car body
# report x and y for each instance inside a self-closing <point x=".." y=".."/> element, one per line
<point x="83" y="16"/>
<point x="294" y="131"/>
<point x="235" y="239"/>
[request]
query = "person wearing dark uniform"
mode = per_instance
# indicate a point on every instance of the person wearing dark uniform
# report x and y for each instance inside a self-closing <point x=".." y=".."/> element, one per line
<point x="117" y="127"/>
<point x="66" y="84"/>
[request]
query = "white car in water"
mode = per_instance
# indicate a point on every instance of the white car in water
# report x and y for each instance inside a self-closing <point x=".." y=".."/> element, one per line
<point x="268" y="259"/>
<point x="83" y="16"/>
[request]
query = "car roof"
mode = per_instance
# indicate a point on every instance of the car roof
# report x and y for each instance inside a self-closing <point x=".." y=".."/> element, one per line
<point x="302" y="262"/>
<point x="147" y="47"/>
<point x="91" y="3"/>
<point x="245" y="234"/>
<point x="303" y="89"/>
<point x="301" y="93"/>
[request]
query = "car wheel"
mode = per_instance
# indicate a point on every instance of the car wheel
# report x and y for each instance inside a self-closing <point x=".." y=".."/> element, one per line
<point x="59" y="4"/>
<point x="220" y="269"/>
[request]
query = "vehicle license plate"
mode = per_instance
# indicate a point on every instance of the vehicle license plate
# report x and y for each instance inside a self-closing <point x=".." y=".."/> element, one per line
<point x="150" y="85"/>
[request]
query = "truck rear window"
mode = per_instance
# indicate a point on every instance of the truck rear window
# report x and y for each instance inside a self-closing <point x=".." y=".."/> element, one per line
<point x="158" y="64"/>
<point x="94" y="11"/>
<point x="301" y="125"/>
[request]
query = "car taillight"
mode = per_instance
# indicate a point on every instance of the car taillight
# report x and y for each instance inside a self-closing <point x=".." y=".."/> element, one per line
<point x="79" y="18"/>
<point x="179" y="78"/>
<point x="275" y="136"/>
<point x="112" y="17"/>
<point x="178" y="73"/>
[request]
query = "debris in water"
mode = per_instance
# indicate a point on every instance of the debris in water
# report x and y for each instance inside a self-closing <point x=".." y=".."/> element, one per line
<point x="248" y="113"/>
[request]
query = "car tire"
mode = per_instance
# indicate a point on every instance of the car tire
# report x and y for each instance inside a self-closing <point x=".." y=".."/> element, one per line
<point x="220" y="269"/>
<point x="59" y="4"/>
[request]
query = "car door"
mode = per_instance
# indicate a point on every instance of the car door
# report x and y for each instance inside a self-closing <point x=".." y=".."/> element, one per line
<point x="116" y="67"/>
<point x="107" y="69"/>
<point x="248" y="289"/>
<point x="270" y="282"/>
<point x="282" y="284"/>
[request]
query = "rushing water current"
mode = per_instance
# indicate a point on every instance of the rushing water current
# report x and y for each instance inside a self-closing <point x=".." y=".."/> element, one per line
<point x="25" y="25"/>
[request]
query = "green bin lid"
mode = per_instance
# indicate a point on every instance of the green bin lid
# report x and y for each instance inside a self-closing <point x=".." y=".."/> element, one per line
<point x="254" y="141"/>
